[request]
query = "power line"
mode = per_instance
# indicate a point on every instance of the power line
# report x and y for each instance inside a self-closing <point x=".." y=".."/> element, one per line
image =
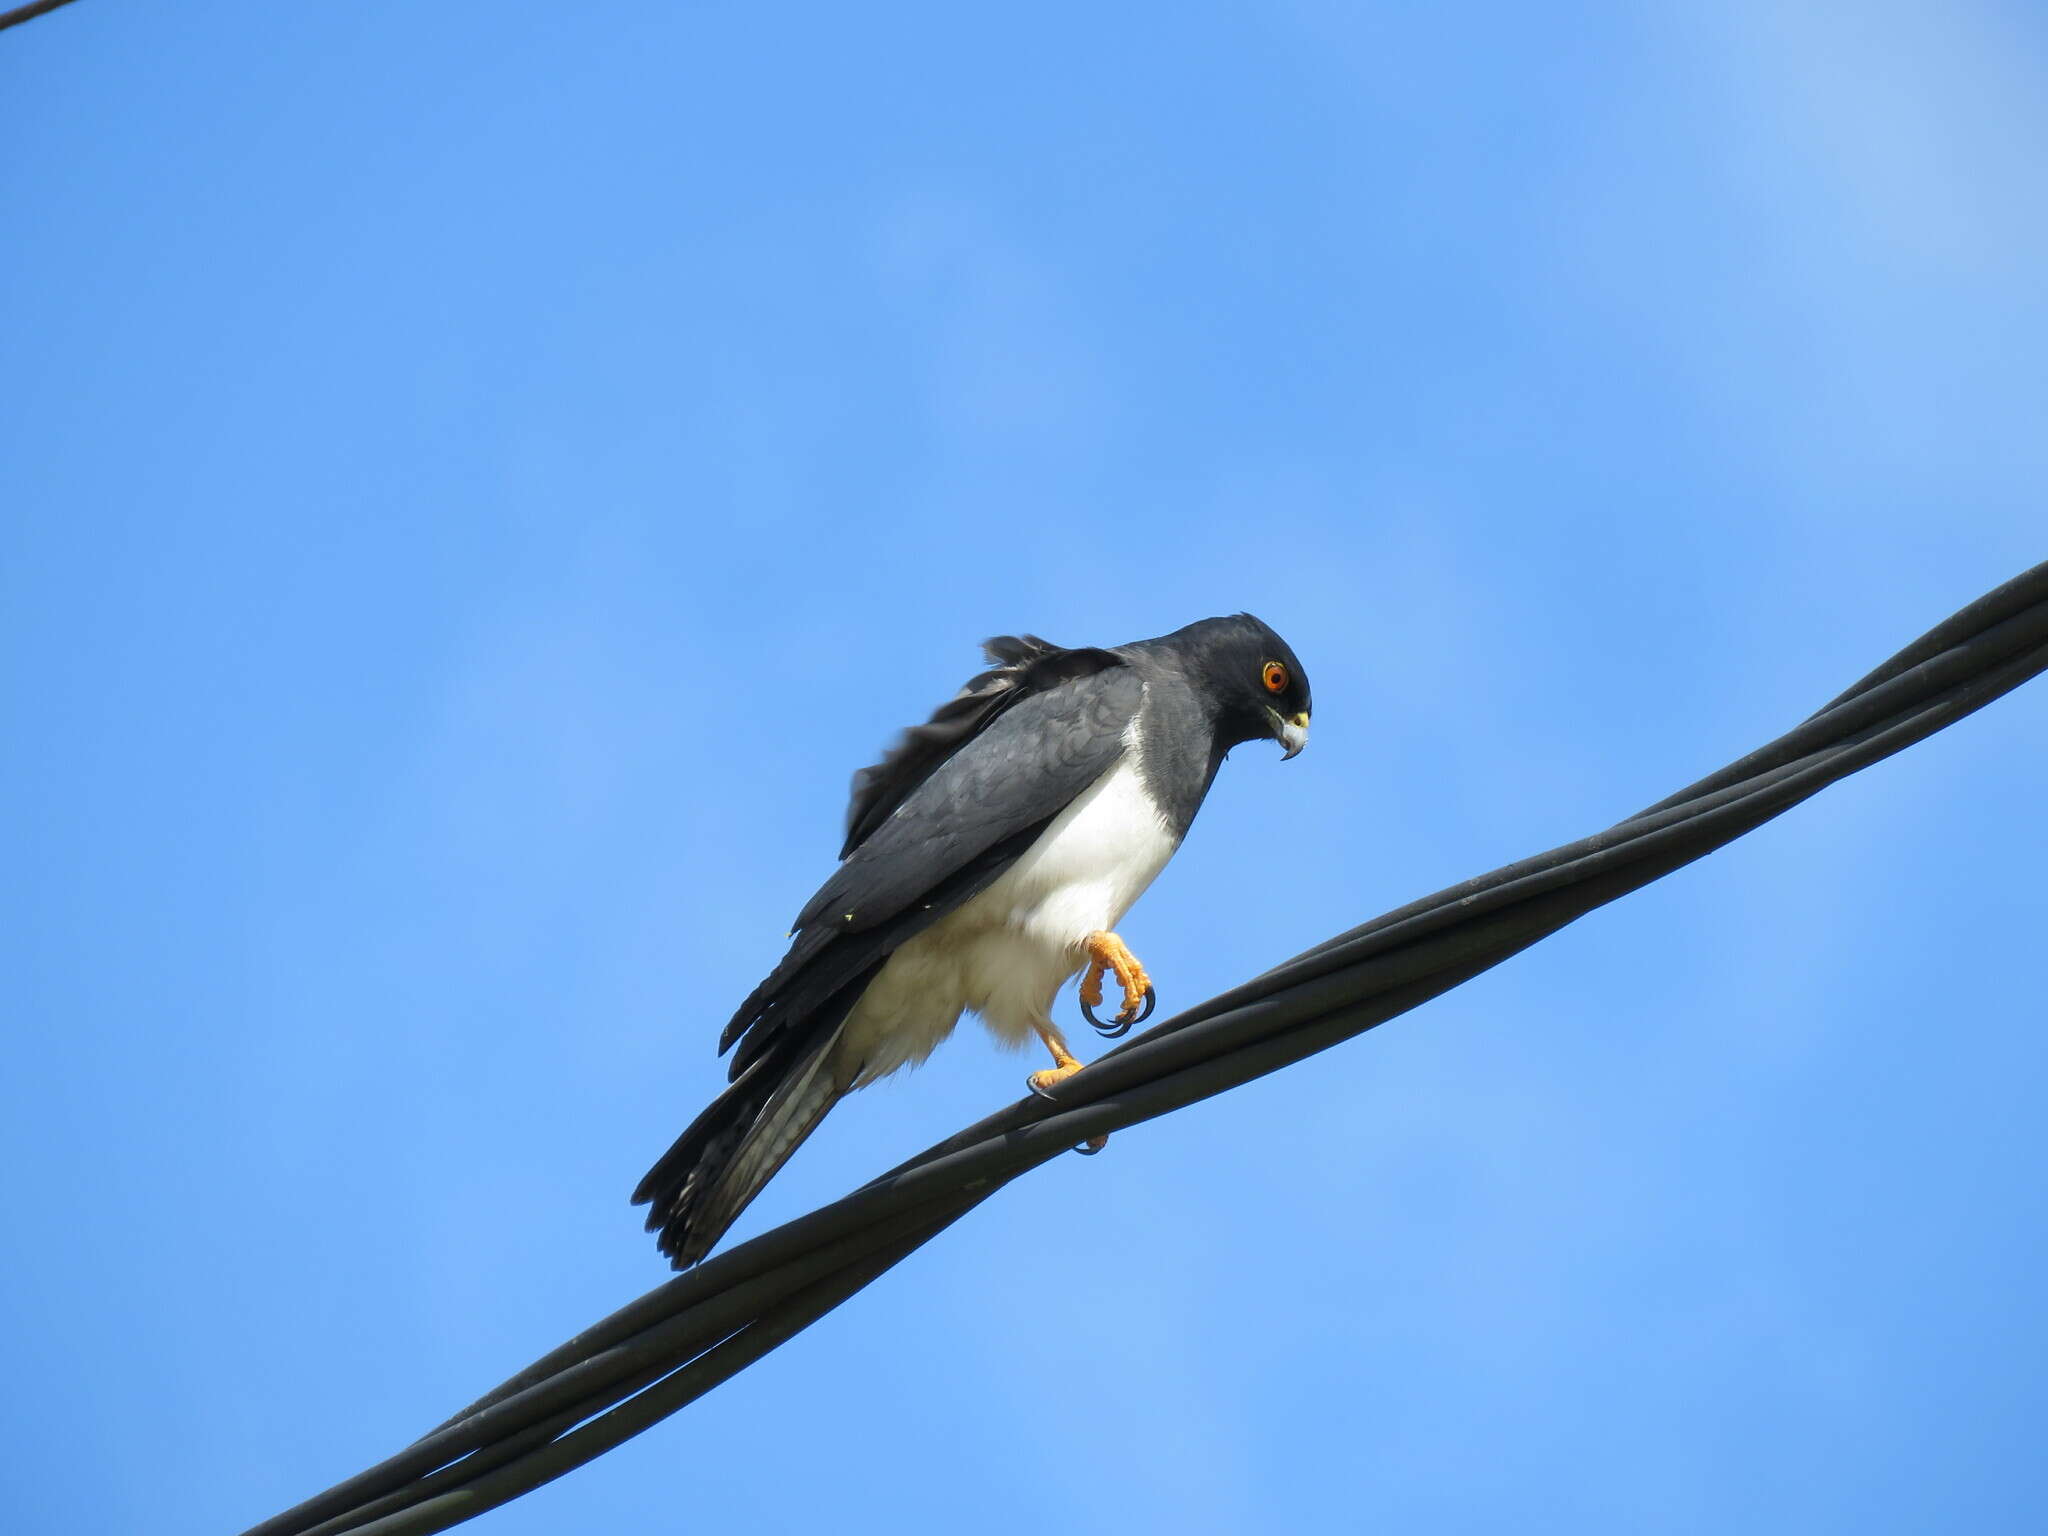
<point x="680" y="1340"/>
<point x="21" y="13"/>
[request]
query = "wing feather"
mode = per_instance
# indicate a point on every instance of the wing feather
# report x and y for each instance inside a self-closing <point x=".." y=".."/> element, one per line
<point x="1025" y="664"/>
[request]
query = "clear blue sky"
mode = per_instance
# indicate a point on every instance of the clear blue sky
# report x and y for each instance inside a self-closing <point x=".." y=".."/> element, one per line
<point x="478" y="479"/>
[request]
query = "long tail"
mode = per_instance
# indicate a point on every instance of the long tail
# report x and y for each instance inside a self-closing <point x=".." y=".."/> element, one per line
<point x="703" y="1182"/>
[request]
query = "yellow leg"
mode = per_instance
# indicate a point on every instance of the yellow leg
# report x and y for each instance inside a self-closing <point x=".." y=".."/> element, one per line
<point x="1063" y="1067"/>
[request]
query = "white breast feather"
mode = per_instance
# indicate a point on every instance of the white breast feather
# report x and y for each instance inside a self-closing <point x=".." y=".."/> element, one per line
<point x="1006" y="953"/>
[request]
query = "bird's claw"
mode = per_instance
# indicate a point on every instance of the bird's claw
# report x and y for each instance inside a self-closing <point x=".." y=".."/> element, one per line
<point x="1042" y="1084"/>
<point x="1128" y="1017"/>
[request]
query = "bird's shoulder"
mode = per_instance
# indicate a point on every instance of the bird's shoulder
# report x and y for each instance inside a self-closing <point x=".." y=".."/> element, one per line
<point x="1021" y="766"/>
<point x="1025" y="667"/>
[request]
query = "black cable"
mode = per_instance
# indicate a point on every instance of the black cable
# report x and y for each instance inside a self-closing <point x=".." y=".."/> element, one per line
<point x="679" y="1341"/>
<point x="30" y="12"/>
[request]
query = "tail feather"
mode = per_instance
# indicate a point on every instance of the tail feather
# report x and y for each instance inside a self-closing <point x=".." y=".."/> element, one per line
<point x="703" y="1182"/>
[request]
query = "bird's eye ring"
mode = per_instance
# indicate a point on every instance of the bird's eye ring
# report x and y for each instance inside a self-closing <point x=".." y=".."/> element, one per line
<point x="1275" y="677"/>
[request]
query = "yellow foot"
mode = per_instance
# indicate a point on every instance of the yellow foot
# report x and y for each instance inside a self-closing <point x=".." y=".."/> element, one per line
<point x="1039" y="1082"/>
<point x="1107" y="952"/>
<point x="1063" y="1067"/>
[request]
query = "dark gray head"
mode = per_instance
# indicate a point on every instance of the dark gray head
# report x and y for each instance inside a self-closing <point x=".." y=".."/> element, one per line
<point x="1249" y="674"/>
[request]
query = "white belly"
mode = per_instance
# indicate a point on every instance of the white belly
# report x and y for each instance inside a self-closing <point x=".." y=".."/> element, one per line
<point x="1006" y="953"/>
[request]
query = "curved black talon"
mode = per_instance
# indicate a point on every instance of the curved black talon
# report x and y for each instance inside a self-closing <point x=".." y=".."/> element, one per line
<point x="1043" y="1093"/>
<point x="1114" y="1030"/>
<point x="1120" y="1026"/>
<point x="1087" y="1151"/>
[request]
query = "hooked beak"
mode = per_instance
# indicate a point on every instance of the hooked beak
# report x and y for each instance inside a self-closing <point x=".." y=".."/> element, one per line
<point x="1290" y="732"/>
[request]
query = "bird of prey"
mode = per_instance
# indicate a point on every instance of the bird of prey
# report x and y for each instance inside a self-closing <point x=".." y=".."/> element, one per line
<point x="989" y="856"/>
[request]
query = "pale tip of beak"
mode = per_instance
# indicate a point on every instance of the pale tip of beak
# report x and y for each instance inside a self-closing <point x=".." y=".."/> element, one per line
<point x="1292" y="734"/>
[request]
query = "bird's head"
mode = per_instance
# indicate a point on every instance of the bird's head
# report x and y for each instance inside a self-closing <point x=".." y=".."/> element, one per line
<point x="1252" y="675"/>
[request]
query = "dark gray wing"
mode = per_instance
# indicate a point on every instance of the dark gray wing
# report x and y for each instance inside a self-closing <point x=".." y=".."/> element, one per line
<point x="1025" y="665"/>
<point x="951" y="807"/>
<point x="947" y="839"/>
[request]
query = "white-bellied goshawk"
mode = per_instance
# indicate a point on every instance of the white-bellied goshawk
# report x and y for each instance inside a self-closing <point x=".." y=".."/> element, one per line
<point x="989" y="857"/>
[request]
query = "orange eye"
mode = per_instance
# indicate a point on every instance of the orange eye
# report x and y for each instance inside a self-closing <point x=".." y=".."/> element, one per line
<point x="1275" y="677"/>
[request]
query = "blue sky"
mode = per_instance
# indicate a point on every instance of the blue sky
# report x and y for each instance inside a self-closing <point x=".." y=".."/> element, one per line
<point x="479" y="479"/>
